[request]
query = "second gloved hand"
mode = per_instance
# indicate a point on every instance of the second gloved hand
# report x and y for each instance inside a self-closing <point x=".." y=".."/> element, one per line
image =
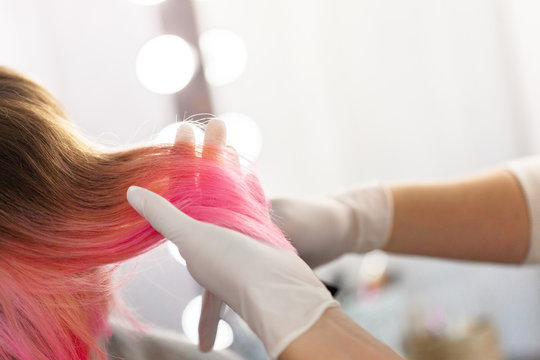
<point x="273" y="290"/>
<point x="322" y="229"/>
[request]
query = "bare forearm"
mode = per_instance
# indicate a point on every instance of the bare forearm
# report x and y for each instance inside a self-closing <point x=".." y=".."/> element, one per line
<point x="336" y="336"/>
<point x="483" y="218"/>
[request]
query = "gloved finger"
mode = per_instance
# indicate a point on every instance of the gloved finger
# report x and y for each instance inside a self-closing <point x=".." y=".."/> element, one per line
<point x="185" y="141"/>
<point x="215" y="137"/>
<point x="209" y="320"/>
<point x="161" y="214"/>
<point x="185" y="135"/>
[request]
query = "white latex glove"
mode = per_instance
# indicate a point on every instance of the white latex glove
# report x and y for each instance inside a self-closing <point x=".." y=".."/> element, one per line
<point x="357" y="220"/>
<point x="273" y="290"/>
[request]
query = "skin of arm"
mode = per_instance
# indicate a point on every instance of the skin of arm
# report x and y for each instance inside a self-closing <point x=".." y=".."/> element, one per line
<point x="480" y="218"/>
<point x="336" y="336"/>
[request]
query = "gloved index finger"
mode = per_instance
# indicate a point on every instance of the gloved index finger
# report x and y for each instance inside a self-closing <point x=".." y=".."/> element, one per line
<point x="161" y="214"/>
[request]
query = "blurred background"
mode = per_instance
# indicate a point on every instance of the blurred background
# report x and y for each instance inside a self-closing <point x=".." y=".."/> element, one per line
<point x="321" y="95"/>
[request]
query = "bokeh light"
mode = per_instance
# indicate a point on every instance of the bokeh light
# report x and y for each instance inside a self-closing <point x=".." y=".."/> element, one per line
<point x="190" y="325"/>
<point x="243" y="134"/>
<point x="224" y="56"/>
<point x="166" y="64"/>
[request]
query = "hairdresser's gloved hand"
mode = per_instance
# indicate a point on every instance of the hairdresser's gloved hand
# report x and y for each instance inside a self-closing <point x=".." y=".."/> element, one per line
<point x="357" y="220"/>
<point x="274" y="291"/>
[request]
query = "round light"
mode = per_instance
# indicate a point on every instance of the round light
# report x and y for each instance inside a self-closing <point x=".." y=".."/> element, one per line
<point x="173" y="250"/>
<point x="224" y="56"/>
<point x="168" y="134"/>
<point x="166" y="64"/>
<point x="243" y="134"/>
<point x="147" y="2"/>
<point x="190" y="325"/>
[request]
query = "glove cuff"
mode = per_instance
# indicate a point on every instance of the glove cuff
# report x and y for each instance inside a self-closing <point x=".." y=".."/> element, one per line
<point x="274" y="350"/>
<point x="372" y="212"/>
<point x="284" y="305"/>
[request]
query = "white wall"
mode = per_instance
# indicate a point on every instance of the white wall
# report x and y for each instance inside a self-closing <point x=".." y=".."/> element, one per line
<point x="386" y="89"/>
<point x="520" y="28"/>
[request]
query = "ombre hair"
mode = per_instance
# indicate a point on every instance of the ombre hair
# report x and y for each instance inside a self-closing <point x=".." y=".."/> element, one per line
<point x="65" y="223"/>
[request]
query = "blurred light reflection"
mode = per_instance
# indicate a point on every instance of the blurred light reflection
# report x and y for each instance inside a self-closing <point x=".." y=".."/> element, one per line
<point x="166" y="64"/>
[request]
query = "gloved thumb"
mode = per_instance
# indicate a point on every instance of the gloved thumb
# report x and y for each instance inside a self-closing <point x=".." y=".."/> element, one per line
<point x="161" y="214"/>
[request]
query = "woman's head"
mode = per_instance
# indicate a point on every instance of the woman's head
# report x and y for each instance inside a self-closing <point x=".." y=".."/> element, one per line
<point x="65" y="223"/>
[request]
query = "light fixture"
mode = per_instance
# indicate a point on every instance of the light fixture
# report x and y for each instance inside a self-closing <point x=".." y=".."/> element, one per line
<point x="243" y="134"/>
<point x="166" y="64"/>
<point x="224" y="56"/>
<point x="190" y="325"/>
